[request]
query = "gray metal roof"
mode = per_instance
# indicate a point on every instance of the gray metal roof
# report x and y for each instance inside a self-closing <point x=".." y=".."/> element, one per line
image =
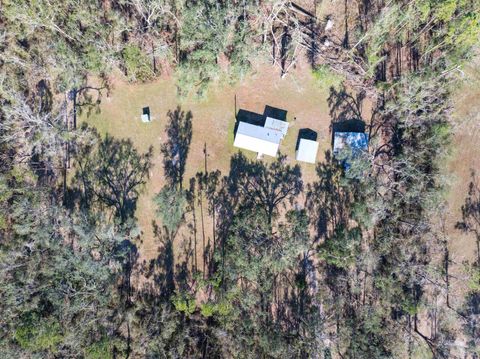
<point x="259" y="132"/>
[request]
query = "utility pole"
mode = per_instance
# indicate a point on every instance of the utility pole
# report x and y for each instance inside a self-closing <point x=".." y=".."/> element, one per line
<point x="205" y="156"/>
<point x="73" y="97"/>
<point x="235" y="107"/>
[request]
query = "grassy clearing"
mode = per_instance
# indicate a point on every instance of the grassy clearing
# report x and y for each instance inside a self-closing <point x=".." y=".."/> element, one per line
<point x="213" y="123"/>
<point x="464" y="158"/>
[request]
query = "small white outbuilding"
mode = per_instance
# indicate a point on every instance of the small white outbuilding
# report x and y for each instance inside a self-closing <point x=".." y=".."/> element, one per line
<point x="307" y="151"/>
<point x="146" y="115"/>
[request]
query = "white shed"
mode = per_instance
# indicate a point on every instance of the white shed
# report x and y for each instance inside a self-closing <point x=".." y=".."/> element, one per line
<point x="307" y="151"/>
<point x="258" y="139"/>
<point x="146" y="114"/>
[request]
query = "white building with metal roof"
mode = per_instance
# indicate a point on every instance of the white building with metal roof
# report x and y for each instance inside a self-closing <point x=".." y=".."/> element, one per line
<point x="307" y="151"/>
<point x="263" y="140"/>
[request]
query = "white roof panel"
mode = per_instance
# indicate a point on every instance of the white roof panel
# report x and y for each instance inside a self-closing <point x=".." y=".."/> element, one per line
<point x="307" y="151"/>
<point x="277" y="125"/>
<point x="257" y="139"/>
<point x="256" y="145"/>
<point x="259" y="132"/>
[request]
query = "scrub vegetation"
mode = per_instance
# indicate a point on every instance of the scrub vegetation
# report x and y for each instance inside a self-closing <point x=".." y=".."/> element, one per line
<point x="277" y="260"/>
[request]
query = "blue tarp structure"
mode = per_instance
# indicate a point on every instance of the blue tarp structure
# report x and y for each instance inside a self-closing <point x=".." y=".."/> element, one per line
<point x="356" y="142"/>
<point x="353" y="140"/>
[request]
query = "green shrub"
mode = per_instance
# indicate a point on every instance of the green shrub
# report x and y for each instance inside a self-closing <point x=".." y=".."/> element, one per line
<point x="37" y="334"/>
<point x="445" y="9"/>
<point x="184" y="304"/>
<point x="326" y="78"/>
<point x="224" y="308"/>
<point x="208" y="309"/>
<point x="136" y="64"/>
<point x="171" y="205"/>
<point x="93" y="60"/>
<point x="99" y="350"/>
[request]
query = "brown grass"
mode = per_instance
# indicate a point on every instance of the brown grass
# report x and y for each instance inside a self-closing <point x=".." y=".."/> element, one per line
<point x="213" y="122"/>
<point x="465" y="157"/>
<point x="300" y="95"/>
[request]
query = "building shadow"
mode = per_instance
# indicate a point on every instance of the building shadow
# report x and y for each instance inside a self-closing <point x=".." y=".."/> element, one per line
<point x="275" y="112"/>
<point x="307" y="134"/>
<point x="252" y="118"/>
<point x="258" y="119"/>
<point x="146" y="112"/>
<point x="353" y="125"/>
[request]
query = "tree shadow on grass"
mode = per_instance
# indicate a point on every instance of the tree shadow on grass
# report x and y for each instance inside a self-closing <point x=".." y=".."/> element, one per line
<point x="89" y="98"/>
<point x="44" y="95"/>
<point x="161" y="269"/>
<point x="175" y="150"/>
<point x="257" y="184"/>
<point x="345" y="112"/>
<point x="344" y="106"/>
<point x="110" y="174"/>
<point x="471" y="312"/>
<point x="169" y="271"/>
<point x="470" y="222"/>
<point x="128" y="254"/>
<point x="328" y="202"/>
<point x="346" y="116"/>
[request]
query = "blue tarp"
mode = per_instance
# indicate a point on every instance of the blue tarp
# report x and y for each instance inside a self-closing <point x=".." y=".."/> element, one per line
<point x="356" y="142"/>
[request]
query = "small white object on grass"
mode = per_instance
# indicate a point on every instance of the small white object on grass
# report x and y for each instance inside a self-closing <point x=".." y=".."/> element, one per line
<point x="146" y="117"/>
<point x="329" y="25"/>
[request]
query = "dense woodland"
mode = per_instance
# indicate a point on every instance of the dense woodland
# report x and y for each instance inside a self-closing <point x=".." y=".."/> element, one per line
<point x="345" y="267"/>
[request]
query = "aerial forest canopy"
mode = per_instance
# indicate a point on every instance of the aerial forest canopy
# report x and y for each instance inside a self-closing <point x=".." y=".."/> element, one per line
<point x="351" y="264"/>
